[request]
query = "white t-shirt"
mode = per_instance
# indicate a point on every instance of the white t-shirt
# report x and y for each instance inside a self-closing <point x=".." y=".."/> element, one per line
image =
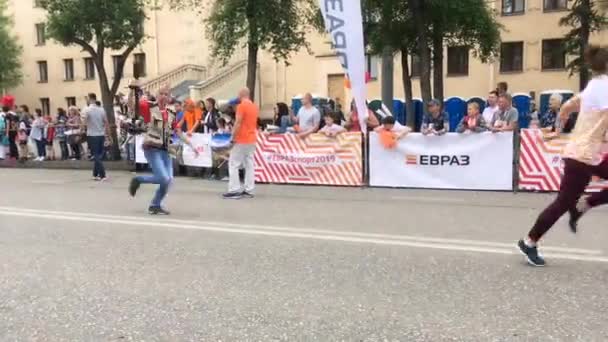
<point x="333" y="129"/>
<point x="595" y="96"/>
<point x="309" y="118"/>
<point x="488" y="113"/>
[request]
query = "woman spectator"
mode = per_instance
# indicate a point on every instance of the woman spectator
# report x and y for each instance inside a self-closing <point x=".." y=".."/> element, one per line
<point x="549" y="120"/>
<point x="60" y="128"/>
<point x="74" y="132"/>
<point x="281" y="117"/>
<point x="12" y="127"/>
<point x="192" y="116"/>
<point x="473" y="122"/>
<point x="38" y="129"/>
<point x="50" y="136"/>
<point x="353" y="124"/>
<point x="209" y="123"/>
<point x="200" y="111"/>
<point x="158" y="150"/>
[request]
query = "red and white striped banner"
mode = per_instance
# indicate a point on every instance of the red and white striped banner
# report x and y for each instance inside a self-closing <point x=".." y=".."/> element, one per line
<point x="540" y="163"/>
<point x="286" y="158"/>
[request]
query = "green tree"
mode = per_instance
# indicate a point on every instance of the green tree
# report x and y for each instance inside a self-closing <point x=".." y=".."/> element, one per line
<point x="10" y="63"/>
<point x="276" y="26"/>
<point x="98" y="26"/>
<point x="469" y="23"/>
<point x="584" y="18"/>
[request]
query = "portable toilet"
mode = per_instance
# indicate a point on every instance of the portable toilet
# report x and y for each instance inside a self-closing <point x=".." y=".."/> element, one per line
<point x="480" y="101"/>
<point x="456" y="108"/>
<point x="546" y="95"/>
<point x="522" y="102"/>
<point x="418" y="113"/>
<point x="399" y="110"/>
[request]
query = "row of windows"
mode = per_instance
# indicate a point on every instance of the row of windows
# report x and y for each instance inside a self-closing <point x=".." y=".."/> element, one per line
<point x="511" y="58"/>
<point x="139" y="68"/>
<point x="512" y="7"/>
<point x="45" y="103"/>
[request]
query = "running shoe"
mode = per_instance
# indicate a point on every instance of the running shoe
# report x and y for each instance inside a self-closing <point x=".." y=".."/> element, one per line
<point x="134" y="186"/>
<point x="247" y="194"/>
<point x="158" y="211"/>
<point x="531" y="254"/>
<point x="232" y="195"/>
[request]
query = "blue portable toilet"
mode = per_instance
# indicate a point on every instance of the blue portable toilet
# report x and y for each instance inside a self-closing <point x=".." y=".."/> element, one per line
<point x="522" y="102"/>
<point x="399" y="110"/>
<point x="546" y="95"/>
<point x="418" y="113"/>
<point x="456" y="108"/>
<point x="480" y="101"/>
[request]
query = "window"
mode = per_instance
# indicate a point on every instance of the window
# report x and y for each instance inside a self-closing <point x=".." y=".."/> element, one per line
<point x="43" y="72"/>
<point x="89" y="68"/>
<point x="554" y="54"/>
<point x="139" y="65"/>
<point x="68" y="66"/>
<point x="512" y="57"/>
<point x="115" y="60"/>
<point x="458" y="60"/>
<point x="372" y="66"/>
<point x="45" y="105"/>
<point x="510" y="7"/>
<point x="415" y="66"/>
<point x="38" y="3"/>
<point x="555" y="5"/>
<point x="70" y="101"/>
<point x="40" y="34"/>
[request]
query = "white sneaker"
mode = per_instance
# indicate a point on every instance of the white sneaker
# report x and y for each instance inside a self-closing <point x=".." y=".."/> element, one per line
<point x="42" y="159"/>
<point x="38" y="159"/>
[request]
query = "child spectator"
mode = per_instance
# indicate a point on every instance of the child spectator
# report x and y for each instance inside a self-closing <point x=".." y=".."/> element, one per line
<point x="50" y="137"/>
<point x="331" y="129"/>
<point x="473" y="122"/>
<point x="435" y="121"/>
<point x="22" y="139"/>
<point x="391" y="131"/>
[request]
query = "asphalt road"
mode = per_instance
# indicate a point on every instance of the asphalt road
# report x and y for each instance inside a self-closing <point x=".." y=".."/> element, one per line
<point x="81" y="261"/>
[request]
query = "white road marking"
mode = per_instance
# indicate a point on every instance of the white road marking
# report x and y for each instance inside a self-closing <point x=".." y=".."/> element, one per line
<point x="446" y="244"/>
<point x="419" y="239"/>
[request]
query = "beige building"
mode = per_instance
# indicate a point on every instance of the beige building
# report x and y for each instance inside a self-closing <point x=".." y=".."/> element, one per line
<point x="177" y="53"/>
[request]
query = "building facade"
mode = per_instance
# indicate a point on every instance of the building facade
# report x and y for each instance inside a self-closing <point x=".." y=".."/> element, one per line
<point x="531" y="60"/>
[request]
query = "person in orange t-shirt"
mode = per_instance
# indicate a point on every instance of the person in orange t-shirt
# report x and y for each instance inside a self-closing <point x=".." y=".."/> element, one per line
<point x="192" y="115"/>
<point x="244" y="136"/>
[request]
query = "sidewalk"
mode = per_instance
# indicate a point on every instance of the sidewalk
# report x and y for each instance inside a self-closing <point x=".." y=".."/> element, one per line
<point x="66" y="165"/>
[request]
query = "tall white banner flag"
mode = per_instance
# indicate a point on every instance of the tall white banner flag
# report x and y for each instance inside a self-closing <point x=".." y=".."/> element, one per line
<point x="344" y="22"/>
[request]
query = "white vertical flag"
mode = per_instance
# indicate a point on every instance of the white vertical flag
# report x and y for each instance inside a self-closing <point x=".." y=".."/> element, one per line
<point x="344" y="22"/>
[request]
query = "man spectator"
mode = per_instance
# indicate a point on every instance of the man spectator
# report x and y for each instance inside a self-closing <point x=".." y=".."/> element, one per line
<point x="436" y="121"/>
<point x="244" y="138"/>
<point x="309" y="117"/>
<point x="97" y="125"/>
<point x="492" y="108"/>
<point x="507" y="117"/>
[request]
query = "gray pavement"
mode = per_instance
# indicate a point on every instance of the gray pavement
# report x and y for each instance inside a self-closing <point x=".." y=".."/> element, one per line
<point x="80" y="261"/>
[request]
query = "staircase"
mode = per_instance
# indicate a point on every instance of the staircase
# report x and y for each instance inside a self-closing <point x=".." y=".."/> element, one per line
<point x="224" y="84"/>
<point x="188" y="73"/>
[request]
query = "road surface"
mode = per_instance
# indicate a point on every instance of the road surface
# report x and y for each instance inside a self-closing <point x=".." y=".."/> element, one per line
<point x="81" y="261"/>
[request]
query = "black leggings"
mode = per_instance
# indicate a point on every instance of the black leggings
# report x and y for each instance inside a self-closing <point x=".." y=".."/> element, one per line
<point x="577" y="177"/>
<point x="13" y="150"/>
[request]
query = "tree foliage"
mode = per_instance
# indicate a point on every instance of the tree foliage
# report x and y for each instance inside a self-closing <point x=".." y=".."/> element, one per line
<point x="96" y="26"/>
<point x="585" y="17"/>
<point x="276" y="26"/>
<point x="10" y="62"/>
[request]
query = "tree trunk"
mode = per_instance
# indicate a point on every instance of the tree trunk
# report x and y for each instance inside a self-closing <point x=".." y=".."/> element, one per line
<point x="252" y="68"/>
<point x="407" y="87"/>
<point x="424" y="53"/>
<point x="438" y="68"/>
<point x="107" y="101"/>
<point x="387" y="78"/>
<point x="584" y="73"/>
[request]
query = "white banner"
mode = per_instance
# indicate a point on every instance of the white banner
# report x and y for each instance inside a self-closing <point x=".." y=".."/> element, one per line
<point x="200" y="142"/>
<point x="344" y="22"/>
<point x="453" y="161"/>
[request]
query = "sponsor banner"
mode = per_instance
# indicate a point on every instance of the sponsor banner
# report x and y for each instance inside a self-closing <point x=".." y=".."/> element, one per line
<point x="344" y="22"/>
<point x="200" y="142"/>
<point x="540" y="163"/>
<point x="454" y="161"/>
<point x="286" y="158"/>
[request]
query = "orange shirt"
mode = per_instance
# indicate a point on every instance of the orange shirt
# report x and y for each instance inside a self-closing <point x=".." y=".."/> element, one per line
<point x="192" y="117"/>
<point x="249" y="112"/>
